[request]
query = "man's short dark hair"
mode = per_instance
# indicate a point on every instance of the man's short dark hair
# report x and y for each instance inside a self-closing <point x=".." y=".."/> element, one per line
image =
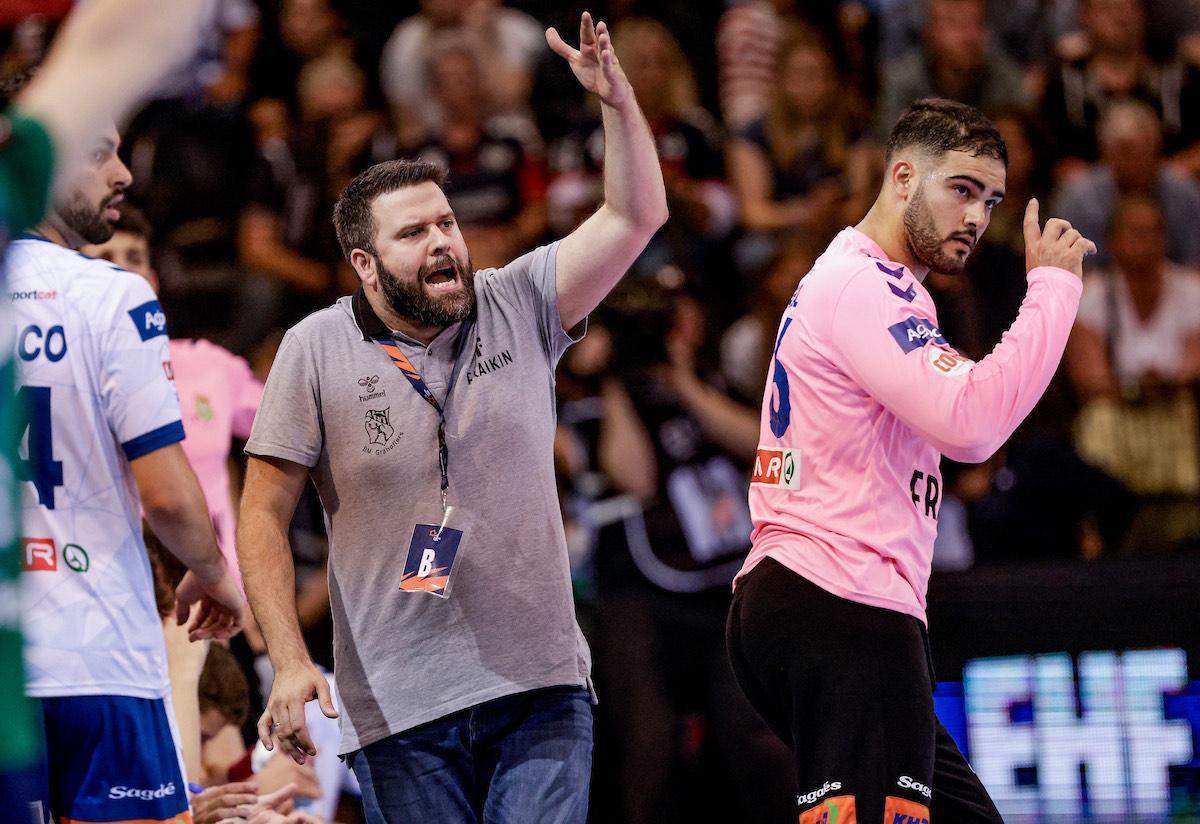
<point x="352" y="216"/>
<point x="223" y="686"/>
<point x="939" y="126"/>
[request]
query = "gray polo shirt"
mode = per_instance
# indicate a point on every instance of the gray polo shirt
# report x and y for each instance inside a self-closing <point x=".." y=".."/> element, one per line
<point x="336" y="403"/>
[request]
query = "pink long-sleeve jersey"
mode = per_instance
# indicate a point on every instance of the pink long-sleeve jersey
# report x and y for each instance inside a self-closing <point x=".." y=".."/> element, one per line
<point x="863" y="398"/>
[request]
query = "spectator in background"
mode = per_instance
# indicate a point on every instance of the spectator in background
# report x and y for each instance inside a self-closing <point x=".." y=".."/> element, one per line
<point x="507" y="41"/>
<point x="497" y="175"/>
<point x="218" y="394"/>
<point x="284" y="233"/>
<point x="1131" y="162"/>
<point x="190" y="148"/>
<point x="795" y="167"/>
<point x="308" y="30"/>
<point x="689" y="151"/>
<point x="1110" y="61"/>
<point x="1139" y="321"/>
<point x="955" y="61"/>
<point x="678" y="447"/>
<point x="748" y="344"/>
<point x="1134" y="358"/>
<point x="750" y="35"/>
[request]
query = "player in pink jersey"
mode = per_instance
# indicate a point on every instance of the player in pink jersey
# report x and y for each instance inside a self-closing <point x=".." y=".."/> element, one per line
<point x="827" y="627"/>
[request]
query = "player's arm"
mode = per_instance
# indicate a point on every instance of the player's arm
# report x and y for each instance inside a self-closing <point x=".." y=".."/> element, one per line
<point x="595" y="256"/>
<point x="174" y="507"/>
<point x="108" y="56"/>
<point x="967" y="410"/>
<point x="272" y="489"/>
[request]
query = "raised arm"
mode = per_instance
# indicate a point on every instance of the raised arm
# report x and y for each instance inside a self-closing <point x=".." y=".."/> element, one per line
<point x="597" y="254"/>
<point x="273" y="486"/>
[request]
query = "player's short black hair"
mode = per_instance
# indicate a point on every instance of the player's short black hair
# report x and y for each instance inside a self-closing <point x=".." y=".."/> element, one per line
<point x="939" y="126"/>
<point x="352" y="217"/>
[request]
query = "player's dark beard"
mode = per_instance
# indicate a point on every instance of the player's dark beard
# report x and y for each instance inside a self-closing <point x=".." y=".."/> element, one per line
<point x="413" y="303"/>
<point x="926" y="244"/>
<point x="87" y="220"/>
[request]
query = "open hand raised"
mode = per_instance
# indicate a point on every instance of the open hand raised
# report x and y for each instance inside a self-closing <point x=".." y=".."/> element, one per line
<point x="594" y="62"/>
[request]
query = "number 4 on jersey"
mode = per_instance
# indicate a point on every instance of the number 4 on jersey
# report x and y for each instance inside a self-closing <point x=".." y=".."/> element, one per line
<point x="40" y="467"/>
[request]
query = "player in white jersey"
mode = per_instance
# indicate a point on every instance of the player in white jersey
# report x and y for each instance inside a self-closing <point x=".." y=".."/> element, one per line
<point x="101" y="430"/>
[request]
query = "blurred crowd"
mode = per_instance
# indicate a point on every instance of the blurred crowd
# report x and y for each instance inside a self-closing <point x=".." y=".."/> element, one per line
<point x="769" y="117"/>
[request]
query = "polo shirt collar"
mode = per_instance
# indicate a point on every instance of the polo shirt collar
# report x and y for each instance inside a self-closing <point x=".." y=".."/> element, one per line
<point x="369" y="324"/>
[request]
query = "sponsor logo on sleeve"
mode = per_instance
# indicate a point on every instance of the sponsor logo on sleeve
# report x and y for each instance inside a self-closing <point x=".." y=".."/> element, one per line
<point x="909" y="783"/>
<point x="149" y="319"/>
<point x="837" y="810"/>
<point x="913" y="333"/>
<point x="775" y="466"/>
<point x="39" y="555"/>
<point x="948" y="362"/>
<point x="902" y="811"/>
<point x="121" y="791"/>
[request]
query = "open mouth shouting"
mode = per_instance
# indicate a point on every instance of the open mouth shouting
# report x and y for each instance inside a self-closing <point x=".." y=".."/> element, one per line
<point x="443" y="276"/>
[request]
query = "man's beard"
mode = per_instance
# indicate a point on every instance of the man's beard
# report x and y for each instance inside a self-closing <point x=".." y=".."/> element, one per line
<point x="926" y="245"/>
<point x="411" y="301"/>
<point x="84" y="219"/>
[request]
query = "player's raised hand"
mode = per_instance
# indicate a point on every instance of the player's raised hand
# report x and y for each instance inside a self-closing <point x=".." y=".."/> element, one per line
<point x="594" y="62"/>
<point x="1056" y="245"/>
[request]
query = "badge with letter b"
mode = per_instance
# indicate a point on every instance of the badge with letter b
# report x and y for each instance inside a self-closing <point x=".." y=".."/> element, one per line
<point x="429" y="565"/>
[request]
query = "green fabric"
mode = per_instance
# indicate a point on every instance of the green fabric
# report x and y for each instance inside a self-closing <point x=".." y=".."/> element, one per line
<point x="26" y="171"/>
<point x="19" y="745"/>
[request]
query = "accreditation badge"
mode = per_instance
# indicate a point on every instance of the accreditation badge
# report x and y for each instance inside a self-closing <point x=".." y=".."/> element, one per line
<point x="432" y="553"/>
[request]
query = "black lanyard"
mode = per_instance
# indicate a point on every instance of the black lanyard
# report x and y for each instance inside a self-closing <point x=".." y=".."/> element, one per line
<point x="401" y="362"/>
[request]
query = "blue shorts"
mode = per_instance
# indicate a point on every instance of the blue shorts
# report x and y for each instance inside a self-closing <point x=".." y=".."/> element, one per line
<point x="111" y="758"/>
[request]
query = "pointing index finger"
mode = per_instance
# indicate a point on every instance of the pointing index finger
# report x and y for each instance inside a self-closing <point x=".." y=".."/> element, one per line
<point x="1033" y="231"/>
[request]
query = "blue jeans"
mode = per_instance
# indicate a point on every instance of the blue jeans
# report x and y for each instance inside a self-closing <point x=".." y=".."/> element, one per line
<point x="518" y="759"/>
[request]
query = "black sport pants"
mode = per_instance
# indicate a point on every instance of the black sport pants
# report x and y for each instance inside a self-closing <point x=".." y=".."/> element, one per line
<point x="849" y="687"/>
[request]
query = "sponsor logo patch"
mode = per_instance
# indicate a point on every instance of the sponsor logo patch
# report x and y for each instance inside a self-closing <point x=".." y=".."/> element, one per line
<point x="368" y="384"/>
<point x="33" y="294"/>
<point x="149" y="319"/>
<point x="902" y="811"/>
<point x="816" y="795"/>
<point x="121" y="791"/>
<point x="775" y="466"/>
<point x="913" y="333"/>
<point x="39" y="555"/>
<point x="909" y="783"/>
<point x="76" y="558"/>
<point x="948" y="362"/>
<point x="837" y="810"/>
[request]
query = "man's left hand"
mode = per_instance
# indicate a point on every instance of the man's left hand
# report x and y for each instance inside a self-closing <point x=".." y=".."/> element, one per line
<point x="594" y="62"/>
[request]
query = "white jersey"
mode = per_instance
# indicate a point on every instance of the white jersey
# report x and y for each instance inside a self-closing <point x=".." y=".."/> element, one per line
<point x="94" y="375"/>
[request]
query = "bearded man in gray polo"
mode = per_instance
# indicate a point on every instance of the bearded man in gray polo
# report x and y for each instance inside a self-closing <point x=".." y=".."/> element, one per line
<point x="422" y="407"/>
